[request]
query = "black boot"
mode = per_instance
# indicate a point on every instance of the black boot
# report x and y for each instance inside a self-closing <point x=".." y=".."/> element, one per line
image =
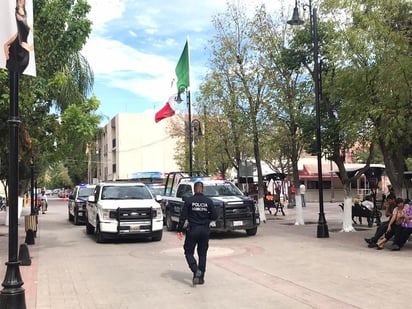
<point x="196" y="277"/>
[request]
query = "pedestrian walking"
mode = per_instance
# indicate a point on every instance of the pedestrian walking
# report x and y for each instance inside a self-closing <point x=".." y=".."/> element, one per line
<point x="302" y="190"/>
<point x="43" y="201"/>
<point x="198" y="210"/>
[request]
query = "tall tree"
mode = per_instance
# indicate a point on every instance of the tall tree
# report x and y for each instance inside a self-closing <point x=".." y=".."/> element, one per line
<point x="373" y="52"/>
<point x="289" y="101"/>
<point x="63" y="78"/>
<point x="237" y="61"/>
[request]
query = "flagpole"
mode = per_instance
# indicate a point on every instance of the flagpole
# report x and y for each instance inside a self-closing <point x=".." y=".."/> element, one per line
<point x="182" y="71"/>
<point x="189" y="108"/>
<point x="189" y="100"/>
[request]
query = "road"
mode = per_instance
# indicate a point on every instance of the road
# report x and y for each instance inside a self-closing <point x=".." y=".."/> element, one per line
<point x="283" y="266"/>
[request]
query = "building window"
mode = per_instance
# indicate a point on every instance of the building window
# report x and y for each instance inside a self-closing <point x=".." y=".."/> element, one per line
<point x="114" y="143"/>
<point x="113" y="168"/>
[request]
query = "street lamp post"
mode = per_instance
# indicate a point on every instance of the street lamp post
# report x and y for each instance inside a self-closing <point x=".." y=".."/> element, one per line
<point x="32" y="209"/>
<point x="195" y="128"/>
<point x="13" y="294"/>
<point x="322" y="224"/>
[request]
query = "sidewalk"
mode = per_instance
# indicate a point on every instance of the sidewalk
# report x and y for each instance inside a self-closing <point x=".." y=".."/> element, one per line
<point x="28" y="273"/>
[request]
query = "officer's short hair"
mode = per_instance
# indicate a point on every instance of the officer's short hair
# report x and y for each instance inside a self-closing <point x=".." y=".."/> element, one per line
<point x="197" y="185"/>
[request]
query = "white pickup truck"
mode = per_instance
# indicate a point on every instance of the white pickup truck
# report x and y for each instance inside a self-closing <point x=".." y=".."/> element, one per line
<point x="123" y="209"/>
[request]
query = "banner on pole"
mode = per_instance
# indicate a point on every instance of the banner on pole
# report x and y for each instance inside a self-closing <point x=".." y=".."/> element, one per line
<point x="21" y="53"/>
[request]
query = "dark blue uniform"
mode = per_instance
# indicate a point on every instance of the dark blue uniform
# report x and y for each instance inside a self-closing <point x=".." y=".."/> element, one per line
<point x="199" y="211"/>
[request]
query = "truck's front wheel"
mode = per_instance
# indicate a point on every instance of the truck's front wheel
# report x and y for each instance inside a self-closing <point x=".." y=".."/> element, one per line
<point x="251" y="232"/>
<point x="89" y="228"/>
<point x="76" y="218"/>
<point x="170" y="225"/>
<point x="70" y="216"/>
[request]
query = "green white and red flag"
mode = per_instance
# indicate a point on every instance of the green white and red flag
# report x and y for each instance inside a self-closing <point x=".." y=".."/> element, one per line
<point x="167" y="110"/>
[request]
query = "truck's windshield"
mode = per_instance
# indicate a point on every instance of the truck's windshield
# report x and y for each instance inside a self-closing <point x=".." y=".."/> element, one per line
<point x="221" y="189"/>
<point x="125" y="193"/>
<point x="85" y="191"/>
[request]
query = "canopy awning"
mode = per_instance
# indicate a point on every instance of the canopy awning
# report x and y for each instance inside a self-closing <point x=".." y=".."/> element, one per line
<point x="310" y="172"/>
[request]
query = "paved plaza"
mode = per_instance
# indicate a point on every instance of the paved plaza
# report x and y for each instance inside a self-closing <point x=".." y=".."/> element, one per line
<point x="283" y="266"/>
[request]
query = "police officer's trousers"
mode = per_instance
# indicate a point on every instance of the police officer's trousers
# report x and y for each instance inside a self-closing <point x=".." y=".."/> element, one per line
<point x="197" y="235"/>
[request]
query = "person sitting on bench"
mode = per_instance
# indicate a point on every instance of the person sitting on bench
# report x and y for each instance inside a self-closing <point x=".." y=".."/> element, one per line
<point x="389" y="206"/>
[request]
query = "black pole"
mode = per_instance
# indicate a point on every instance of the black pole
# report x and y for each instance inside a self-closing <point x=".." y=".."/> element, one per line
<point x="323" y="231"/>
<point x="12" y="296"/>
<point x="32" y="209"/>
<point x="190" y="139"/>
<point x="35" y="194"/>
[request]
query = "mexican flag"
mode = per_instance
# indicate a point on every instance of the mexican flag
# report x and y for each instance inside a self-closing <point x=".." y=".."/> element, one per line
<point x="182" y="70"/>
<point x="167" y="110"/>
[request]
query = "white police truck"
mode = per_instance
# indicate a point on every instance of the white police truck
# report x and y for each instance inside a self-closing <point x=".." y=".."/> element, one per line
<point x="123" y="209"/>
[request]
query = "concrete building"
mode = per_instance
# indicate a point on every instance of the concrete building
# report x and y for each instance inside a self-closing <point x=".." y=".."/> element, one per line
<point x="133" y="142"/>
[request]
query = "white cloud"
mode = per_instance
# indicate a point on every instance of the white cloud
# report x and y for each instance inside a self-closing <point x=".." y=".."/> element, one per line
<point x="126" y="68"/>
<point x="103" y="11"/>
<point x="107" y="56"/>
<point x="135" y="44"/>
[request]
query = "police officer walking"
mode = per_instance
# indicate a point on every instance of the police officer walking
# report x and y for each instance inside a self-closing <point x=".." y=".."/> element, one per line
<point x="199" y="211"/>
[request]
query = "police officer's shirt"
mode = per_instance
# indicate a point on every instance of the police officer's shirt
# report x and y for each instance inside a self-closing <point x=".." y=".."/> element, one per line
<point x="198" y="210"/>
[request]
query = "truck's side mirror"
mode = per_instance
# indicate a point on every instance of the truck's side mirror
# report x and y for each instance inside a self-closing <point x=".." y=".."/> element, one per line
<point x="158" y="198"/>
<point x="186" y="195"/>
<point x="91" y="199"/>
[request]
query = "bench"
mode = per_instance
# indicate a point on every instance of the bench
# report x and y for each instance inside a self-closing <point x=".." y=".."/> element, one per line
<point x="361" y="211"/>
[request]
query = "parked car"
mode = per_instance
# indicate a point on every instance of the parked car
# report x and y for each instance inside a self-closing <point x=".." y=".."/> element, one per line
<point x="56" y="191"/>
<point x="77" y="203"/>
<point x="64" y="194"/>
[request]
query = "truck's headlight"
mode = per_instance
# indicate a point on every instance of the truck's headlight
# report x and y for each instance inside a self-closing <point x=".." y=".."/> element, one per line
<point x="157" y="212"/>
<point x="106" y="214"/>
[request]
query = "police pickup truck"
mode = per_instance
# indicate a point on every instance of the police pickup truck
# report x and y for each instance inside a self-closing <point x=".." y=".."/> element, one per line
<point x="77" y="200"/>
<point x="235" y="210"/>
<point x="123" y="209"/>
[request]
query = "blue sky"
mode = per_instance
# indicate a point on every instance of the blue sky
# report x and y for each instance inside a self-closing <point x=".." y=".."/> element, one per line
<point x="135" y="45"/>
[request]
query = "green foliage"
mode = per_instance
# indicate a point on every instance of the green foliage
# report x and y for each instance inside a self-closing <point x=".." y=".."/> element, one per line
<point x="63" y="82"/>
<point x="259" y="91"/>
<point x="369" y="84"/>
<point x="57" y="177"/>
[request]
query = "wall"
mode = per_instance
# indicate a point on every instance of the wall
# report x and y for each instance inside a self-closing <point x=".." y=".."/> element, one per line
<point x="141" y="145"/>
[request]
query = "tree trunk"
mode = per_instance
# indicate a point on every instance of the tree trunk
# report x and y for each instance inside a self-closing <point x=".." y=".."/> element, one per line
<point x="347" y="209"/>
<point x="299" y="220"/>
<point x="394" y="167"/>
